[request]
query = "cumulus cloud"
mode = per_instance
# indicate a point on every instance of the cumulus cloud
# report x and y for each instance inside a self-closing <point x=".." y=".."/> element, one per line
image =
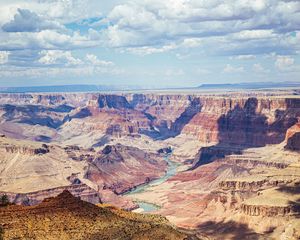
<point x="45" y="39"/>
<point x="40" y="25"/>
<point x="58" y="57"/>
<point x="150" y="26"/>
<point x="27" y="21"/>
<point x="259" y="24"/>
<point x="58" y="63"/>
<point x="61" y="11"/>
<point x="44" y="35"/>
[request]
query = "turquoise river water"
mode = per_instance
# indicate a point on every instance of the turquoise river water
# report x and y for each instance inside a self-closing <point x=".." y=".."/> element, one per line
<point x="148" y="207"/>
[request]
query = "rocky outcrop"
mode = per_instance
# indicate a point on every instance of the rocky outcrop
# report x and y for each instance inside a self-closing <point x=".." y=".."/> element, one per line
<point x="251" y="185"/>
<point x="68" y="217"/>
<point x="113" y="101"/>
<point x="166" y="150"/>
<point x="32" y="198"/>
<point x="242" y="185"/>
<point x="253" y="162"/>
<point x="23" y="149"/>
<point x="293" y="142"/>
<point x="293" y="138"/>
<point x="269" y="211"/>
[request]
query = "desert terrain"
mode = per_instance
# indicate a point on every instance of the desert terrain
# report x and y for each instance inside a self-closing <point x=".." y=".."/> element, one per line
<point x="216" y="165"/>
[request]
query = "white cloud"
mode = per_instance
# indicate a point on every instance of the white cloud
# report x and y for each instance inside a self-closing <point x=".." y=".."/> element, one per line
<point x="45" y="39"/>
<point x="27" y="21"/>
<point x="93" y="59"/>
<point x="253" y="34"/>
<point x="54" y="57"/>
<point x="63" y="11"/>
<point x="231" y="69"/>
<point x="192" y="42"/>
<point x="244" y="57"/>
<point x="252" y="25"/>
<point x="3" y="57"/>
<point x="284" y="62"/>
<point x="193" y="29"/>
<point x="151" y="25"/>
<point x="151" y="50"/>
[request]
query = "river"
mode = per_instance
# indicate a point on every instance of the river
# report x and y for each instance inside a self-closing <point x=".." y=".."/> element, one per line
<point x="149" y="207"/>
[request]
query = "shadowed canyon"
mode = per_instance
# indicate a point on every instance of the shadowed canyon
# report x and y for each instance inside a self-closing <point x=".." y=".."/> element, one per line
<point x="169" y="165"/>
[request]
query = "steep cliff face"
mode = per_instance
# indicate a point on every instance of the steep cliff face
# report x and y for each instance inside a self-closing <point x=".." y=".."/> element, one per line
<point x="268" y="211"/>
<point x="249" y="123"/>
<point x="244" y="121"/>
<point x="211" y="119"/>
<point x="293" y="138"/>
<point x="293" y="142"/>
<point x="113" y="101"/>
<point x="163" y="107"/>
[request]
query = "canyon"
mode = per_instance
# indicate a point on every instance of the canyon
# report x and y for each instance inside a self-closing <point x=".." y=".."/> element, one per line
<point x="236" y="157"/>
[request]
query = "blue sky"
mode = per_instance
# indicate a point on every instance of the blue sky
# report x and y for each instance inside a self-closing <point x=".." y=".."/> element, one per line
<point x="149" y="43"/>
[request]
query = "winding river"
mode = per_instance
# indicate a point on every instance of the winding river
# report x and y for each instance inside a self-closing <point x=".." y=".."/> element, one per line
<point x="148" y="207"/>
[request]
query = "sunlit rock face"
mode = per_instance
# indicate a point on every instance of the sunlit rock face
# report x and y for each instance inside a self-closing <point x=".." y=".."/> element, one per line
<point x="293" y="138"/>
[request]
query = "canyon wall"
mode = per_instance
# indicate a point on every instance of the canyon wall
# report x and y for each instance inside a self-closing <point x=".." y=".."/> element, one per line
<point x="210" y="119"/>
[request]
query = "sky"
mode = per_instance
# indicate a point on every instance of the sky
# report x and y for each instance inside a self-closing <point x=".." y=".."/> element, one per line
<point x="148" y="43"/>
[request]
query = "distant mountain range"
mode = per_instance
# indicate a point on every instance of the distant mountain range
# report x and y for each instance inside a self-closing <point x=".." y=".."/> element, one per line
<point x="107" y="88"/>
<point x="254" y="85"/>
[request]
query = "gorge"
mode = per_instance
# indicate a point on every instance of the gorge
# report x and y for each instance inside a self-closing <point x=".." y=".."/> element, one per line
<point x="234" y="166"/>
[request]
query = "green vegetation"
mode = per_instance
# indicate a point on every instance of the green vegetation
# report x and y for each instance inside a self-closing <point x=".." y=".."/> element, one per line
<point x="4" y="201"/>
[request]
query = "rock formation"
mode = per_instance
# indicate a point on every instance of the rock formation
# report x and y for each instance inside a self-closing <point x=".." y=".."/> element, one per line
<point x="32" y="198"/>
<point x="68" y="217"/>
<point x="293" y="138"/>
